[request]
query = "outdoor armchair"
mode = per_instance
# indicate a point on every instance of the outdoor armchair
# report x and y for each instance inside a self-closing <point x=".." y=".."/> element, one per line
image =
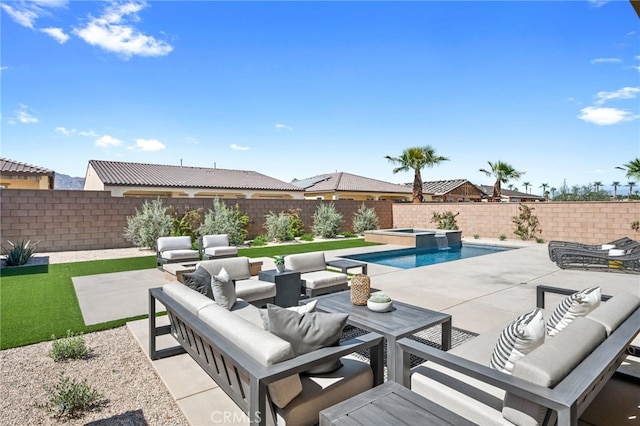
<point x="175" y="249"/>
<point x="216" y="246"/>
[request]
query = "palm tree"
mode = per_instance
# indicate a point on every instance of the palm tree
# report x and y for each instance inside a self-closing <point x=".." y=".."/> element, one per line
<point x="544" y="189"/>
<point x="416" y="158"/>
<point x="526" y="186"/>
<point x="615" y="185"/>
<point x="632" y="168"/>
<point x="597" y="185"/>
<point x="630" y="185"/>
<point x="503" y="172"/>
<point x="553" y="192"/>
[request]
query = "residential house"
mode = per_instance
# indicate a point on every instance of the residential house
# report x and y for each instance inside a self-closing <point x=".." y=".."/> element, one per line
<point x="347" y="186"/>
<point x="17" y="175"/>
<point x="451" y="191"/>
<point x="509" y="196"/>
<point x="142" y="180"/>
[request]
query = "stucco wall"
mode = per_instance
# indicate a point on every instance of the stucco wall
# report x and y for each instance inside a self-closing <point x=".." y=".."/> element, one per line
<point x="65" y="220"/>
<point x="592" y="223"/>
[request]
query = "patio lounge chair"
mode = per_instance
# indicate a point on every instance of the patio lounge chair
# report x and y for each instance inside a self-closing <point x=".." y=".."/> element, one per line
<point x="621" y="243"/>
<point x="215" y="247"/>
<point x="175" y="250"/>
<point x="615" y="260"/>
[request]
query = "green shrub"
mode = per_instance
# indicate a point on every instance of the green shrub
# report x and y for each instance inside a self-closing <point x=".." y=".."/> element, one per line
<point x="70" y="347"/>
<point x="635" y="225"/>
<point x="527" y="224"/>
<point x="69" y="397"/>
<point x="445" y="220"/>
<point x="278" y="226"/>
<point x="365" y="219"/>
<point x="20" y="253"/>
<point x="306" y="237"/>
<point x="476" y="236"/>
<point x="348" y="234"/>
<point x="146" y="226"/>
<point x="502" y="237"/>
<point x="225" y="220"/>
<point x="539" y="240"/>
<point x="326" y="221"/>
<point x="297" y="226"/>
<point x="259" y="240"/>
<point x="186" y="222"/>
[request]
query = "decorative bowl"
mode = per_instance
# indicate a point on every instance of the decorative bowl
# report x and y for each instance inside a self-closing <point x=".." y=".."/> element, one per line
<point x="379" y="307"/>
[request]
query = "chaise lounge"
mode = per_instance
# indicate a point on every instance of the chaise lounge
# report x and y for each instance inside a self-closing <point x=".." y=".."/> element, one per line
<point x="612" y="260"/>
<point x="621" y="243"/>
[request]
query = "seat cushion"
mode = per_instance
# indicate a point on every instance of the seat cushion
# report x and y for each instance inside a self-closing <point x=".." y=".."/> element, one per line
<point x="523" y="335"/>
<point x="615" y="311"/>
<point x="549" y="364"/>
<point x="182" y="254"/>
<point x="254" y="289"/>
<point x="576" y="305"/>
<point x="221" y="251"/>
<point x="323" y="391"/>
<point x="322" y="279"/>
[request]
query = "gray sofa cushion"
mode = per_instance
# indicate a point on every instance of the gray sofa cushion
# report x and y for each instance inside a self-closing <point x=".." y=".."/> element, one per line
<point x="200" y="281"/>
<point x="549" y="364"/>
<point x="322" y="279"/>
<point x="188" y="298"/>
<point x="308" y="332"/>
<point x="305" y="262"/>
<point x="615" y="311"/>
<point x="238" y="268"/>
<point x="224" y="292"/>
<point x="323" y="391"/>
<point x="254" y="289"/>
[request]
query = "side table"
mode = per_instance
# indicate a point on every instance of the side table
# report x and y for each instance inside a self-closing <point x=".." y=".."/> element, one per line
<point x="288" y="286"/>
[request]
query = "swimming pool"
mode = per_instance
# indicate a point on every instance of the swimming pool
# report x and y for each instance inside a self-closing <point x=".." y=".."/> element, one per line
<point x="415" y="257"/>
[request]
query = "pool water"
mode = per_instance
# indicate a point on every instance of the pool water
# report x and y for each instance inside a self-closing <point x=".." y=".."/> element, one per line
<point x="415" y="257"/>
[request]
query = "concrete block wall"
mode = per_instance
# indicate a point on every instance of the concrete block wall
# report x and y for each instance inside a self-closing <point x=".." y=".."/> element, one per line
<point x="65" y="220"/>
<point x="586" y="222"/>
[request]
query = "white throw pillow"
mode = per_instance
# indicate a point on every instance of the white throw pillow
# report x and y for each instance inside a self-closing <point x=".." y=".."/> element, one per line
<point x="224" y="292"/>
<point x="576" y="305"/>
<point x="519" y="338"/>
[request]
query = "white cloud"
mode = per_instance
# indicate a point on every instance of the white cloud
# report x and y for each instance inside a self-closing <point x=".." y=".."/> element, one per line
<point x="22" y="15"/>
<point x="624" y="93"/>
<point x="107" y="141"/>
<point x="281" y="126"/>
<point x="598" y="3"/>
<point x="65" y="131"/>
<point x="89" y="133"/>
<point x="606" y="60"/>
<point x="69" y="132"/>
<point x="56" y="33"/>
<point x="605" y="116"/>
<point x="23" y="115"/>
<point x="238" y="147"/>
<point x="149" y="145"/>
<point x="112" y="32"/>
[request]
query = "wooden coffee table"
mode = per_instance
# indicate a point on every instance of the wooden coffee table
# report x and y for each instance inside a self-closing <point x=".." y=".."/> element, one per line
<point x="402" y="321"/>
<point x="389" y="404"/>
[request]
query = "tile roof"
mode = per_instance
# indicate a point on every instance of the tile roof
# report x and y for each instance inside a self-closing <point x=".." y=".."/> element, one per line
<point x="441" y="187"/>
<point x="118" y="173"/>
<point x="7" y="165"/>
<point x="508" y="193"/>
<point x="342" y="181"/>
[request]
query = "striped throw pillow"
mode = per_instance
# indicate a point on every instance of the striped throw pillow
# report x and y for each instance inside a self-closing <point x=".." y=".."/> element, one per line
<point x="576" y="305"/>
<point x="519" y="338"/>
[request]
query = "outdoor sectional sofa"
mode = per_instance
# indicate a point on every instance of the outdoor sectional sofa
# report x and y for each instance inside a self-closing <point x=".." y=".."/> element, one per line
<point x="315" y="277"/>
<point x="256" y="368"/>
<point x="555" y="382"/>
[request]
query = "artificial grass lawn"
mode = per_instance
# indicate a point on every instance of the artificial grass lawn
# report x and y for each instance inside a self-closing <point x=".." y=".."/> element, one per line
<point x="37" y="302"/>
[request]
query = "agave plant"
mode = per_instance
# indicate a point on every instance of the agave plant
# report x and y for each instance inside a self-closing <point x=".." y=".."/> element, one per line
<point x="19" y="253"/>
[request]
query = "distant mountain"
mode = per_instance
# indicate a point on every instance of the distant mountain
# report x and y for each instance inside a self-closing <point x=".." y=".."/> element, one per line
<point x="68" y="182"/>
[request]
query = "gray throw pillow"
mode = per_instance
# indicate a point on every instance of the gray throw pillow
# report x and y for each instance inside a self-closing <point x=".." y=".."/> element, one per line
<point x="302" y="309"/>
<point x="199" y="280"/>
<point x="308" y="332"/>
<point x="224" y="292"/>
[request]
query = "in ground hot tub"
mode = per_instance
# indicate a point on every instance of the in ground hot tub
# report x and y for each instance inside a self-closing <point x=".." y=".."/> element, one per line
<point x="412" y="237"/>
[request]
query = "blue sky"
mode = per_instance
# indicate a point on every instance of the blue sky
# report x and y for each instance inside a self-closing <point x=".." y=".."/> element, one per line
<point x="296" y="89"/>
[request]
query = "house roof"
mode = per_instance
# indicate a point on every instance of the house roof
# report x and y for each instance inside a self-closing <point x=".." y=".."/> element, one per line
<point x="12" y="166"/>
<point x="347" y="182"/>
<point x="441" y="187"/>
<point x="488" y="189"/>
<point x="139" y="174"/>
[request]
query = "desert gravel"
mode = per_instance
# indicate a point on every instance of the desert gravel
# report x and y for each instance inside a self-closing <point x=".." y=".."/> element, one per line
<point x="132" y="392"/>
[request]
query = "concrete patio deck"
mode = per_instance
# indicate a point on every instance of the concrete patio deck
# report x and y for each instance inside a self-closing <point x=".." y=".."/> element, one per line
<point x="479" y="293"/>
